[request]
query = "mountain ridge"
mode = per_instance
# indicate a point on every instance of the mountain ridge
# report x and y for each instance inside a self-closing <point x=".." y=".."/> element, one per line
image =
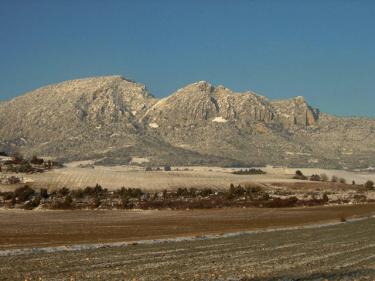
<point x="114" y="118"/>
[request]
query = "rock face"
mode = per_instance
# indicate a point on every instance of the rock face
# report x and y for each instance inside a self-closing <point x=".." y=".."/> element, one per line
<point x="115" y="119"/>
<point x="295" y="112"/>
<point x="201" y="101"/>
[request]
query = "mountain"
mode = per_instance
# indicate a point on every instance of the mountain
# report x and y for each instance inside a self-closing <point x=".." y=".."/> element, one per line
<point x="114" y="119"/>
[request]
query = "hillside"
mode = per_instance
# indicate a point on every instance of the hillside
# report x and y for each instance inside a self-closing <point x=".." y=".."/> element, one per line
<point x="114" y="119"/>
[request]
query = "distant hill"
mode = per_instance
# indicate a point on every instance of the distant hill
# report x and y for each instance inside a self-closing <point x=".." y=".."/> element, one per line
<point x="114" y="119"/>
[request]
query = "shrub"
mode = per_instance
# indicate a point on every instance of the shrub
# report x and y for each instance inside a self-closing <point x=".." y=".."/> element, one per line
<point x="251" y="171"/>
<point x="148" y="169"/>
<point x="282" y="203"/>
<point x="315" y="178"/>
<point x="266" y="196"/>
<point x="369" y="185"/>
<point x="98" y="189"/>
<point x="325" y="197"/>
<point x="342" y="180"/>
<point x="44" y="193"/>
<point x="193" y="191"/>
<point x="167" y="168"/>
<point x="360" y="197"/>
<point x="17" y="157"/>
<point x="67" y="203"/>
<point x="130" y="192"/>
<point x="36" y="161"/>
<point x="206" y="192"/>
<point x="78" y="194"/>
<point x="253" y="189"/>
<point x="96" y="202"/>
<point x="32" y="204"/>
<point x="14" y="180"/>
<point x="235" y="192"/>
<point x="94" y="191"/>
<point x="324" y="177"/>
<point x="25" y="167"/>
<point x="182" y="192"/>
<point x="88" y="191"/>
<point x="299" y="173"/>
<point x="165" y="194"/>
<point x="125" y="201"/>
<point x="52" y="164"/>
<point x="334" y="179"/>
<point x="24" y="193"/>
<point x="7" y="195"/>
<point x="299" y="176"/>
<point x="63" y="191"/>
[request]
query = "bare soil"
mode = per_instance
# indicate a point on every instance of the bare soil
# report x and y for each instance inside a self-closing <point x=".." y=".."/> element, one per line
<point x="340" y="252"/>
<point x="19" y="229"/>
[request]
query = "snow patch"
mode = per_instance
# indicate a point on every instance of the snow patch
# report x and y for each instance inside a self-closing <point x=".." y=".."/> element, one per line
<point x="154" y="125"/>
<point x="5" y="158"/>
<point x="139" y="160"/>
<point x="220" y="120"/>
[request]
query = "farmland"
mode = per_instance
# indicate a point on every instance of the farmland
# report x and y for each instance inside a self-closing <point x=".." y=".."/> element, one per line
<point x="335" y="252"/>
<point x="75" y="176"/>
<point x="179" y="238"/>
<point x="20" y="229"/>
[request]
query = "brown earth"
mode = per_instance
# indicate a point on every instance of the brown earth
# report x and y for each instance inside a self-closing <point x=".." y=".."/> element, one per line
<point x="338" y="252"/>
<point x="19" y="229"/>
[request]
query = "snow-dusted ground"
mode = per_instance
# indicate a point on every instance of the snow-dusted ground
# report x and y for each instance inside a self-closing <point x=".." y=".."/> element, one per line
<point x="76" y="175"/>
<point x="336" y="252"/>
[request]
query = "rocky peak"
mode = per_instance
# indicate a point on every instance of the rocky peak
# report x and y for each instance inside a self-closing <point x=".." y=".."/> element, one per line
<point x="106" y="98"/>
<point x="295" y="112"/>
<point x="197" y="88"/>
<point x="187" y="105"/>
<point x="202" y="102"/>
<point x="75" y="106"/>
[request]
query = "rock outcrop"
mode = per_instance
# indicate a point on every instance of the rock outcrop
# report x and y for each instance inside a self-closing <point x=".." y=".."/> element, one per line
<point x="295" y="112"/>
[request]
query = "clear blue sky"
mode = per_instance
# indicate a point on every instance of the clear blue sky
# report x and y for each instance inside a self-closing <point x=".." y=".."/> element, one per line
<point x="323" y="50"/>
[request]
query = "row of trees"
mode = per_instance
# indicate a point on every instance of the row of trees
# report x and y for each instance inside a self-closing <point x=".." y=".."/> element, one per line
<point x="369" y="185"/>
<point x="166" y="168"/>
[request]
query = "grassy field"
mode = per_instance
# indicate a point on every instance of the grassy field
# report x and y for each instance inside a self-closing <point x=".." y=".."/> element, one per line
<point x="340" y="252"/>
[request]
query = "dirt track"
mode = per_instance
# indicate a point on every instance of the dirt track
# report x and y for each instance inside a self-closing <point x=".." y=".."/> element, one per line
<point x="341" y="252"/>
